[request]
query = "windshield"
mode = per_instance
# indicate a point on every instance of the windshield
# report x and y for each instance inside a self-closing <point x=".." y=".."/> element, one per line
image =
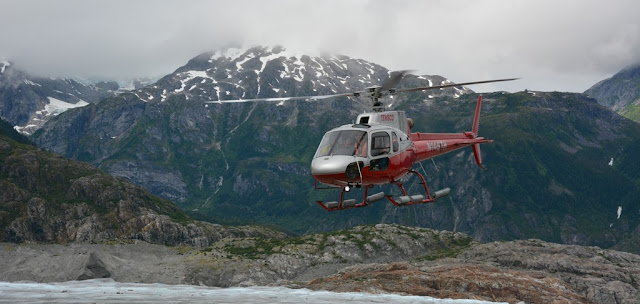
<point x="346" y="142"/>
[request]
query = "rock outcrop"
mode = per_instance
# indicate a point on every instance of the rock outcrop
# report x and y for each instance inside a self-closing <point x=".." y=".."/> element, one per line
<point x="47" y="198"/>
<point x="619" y="92"/>
<point x="532" y="271"/>
<point x="378" y="259"/>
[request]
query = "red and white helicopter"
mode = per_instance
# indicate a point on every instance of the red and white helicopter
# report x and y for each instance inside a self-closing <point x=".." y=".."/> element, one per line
<point x="380" y="148"/>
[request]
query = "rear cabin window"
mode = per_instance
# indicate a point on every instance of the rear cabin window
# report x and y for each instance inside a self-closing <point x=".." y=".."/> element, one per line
<point x="380" y="144"/>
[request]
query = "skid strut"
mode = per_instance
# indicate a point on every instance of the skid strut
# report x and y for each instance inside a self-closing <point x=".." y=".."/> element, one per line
<point x="406" y="200"/>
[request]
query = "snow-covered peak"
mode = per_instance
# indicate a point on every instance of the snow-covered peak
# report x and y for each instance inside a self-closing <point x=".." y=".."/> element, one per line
<point x="275" y="51"/>
<point x="275" y="71"/>
<point x="230" y="53"/>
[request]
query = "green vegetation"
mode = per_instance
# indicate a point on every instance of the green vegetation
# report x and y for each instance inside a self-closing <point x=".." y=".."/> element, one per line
<point x="632" y="111"/>
<point x="63" y="191"/>
<point x="7" y="130"/>
<point x="450" y="249"/>
<point x="256" y="248"/>
<point x="360" y="238"/>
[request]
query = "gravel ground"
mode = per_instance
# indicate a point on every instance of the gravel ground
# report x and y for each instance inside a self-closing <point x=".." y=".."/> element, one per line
<point x="142" y="263"/>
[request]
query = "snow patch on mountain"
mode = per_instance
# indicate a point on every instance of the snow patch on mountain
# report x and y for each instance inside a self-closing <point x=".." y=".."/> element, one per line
<point x="191" y="75"/>
<point x="57" y="106"/>
<point x="230" y="53"/>
<point x="194" y="74"/>
<point x="264" y="61"/>
<point x="27" y="81"/>
<point x="4" y="65"/>
<point x="247" y="58"/>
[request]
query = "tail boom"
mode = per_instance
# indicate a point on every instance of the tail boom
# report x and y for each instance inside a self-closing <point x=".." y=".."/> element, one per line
<point x="428" y="145"/>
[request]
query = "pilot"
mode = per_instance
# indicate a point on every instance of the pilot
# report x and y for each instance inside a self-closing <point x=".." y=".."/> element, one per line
<point x="348" y="142"/>
<point x="344" y="146"/>
<point x="360" y="145"/>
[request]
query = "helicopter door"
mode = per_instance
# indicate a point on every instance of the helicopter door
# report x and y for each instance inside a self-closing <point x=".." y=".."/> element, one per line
<point x="394" y="142"/>
<point x="380" y="150"/>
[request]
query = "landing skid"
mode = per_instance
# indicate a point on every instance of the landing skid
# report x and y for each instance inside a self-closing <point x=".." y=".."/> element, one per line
<point x="404" y="200"/>
<point x="407" y="200"/>
<point x="351" y="203"/>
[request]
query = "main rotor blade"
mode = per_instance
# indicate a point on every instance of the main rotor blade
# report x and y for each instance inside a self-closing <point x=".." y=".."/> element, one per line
<point x="390" y="83"/>
<point x="453" y="85"/>
<point x="281" y="98"/>
<point x="394" y="78"/>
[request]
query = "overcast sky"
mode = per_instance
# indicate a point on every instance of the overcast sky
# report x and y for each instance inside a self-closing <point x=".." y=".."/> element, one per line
<point x="561" y="45"/>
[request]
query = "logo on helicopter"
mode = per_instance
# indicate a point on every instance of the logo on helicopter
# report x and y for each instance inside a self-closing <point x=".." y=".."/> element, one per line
<point x="387" y="117"/>
<point x="436" y="146"/>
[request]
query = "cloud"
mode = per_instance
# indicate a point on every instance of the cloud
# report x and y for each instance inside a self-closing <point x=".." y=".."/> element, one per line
<point x="554" y="45"/>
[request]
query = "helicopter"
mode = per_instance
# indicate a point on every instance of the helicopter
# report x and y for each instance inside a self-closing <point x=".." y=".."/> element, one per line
<point x="379" y="148"/>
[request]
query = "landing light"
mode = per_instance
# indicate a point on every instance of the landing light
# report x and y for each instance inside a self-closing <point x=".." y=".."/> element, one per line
<point x="347" y="188"/>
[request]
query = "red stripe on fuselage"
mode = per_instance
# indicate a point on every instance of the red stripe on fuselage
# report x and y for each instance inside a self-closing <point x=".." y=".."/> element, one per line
<point x="399" y="165"/>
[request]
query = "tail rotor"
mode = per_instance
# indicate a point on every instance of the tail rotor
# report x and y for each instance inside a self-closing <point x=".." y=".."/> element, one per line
<point x="474" y="133"/>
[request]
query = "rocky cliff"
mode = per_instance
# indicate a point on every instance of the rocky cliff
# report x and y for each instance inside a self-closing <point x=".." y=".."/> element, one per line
<point x="621" y="92"/>
<point x="48" y="198"/>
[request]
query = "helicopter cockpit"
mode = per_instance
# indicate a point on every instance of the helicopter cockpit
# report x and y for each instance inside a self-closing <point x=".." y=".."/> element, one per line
<point x="343" y="142"/>
<point x="351" y="148"/>
<point x="356" y="143"/>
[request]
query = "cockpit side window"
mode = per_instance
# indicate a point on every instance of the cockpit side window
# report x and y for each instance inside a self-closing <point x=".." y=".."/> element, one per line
<point x="345" y="142"/>
<point x="380" y="144"/>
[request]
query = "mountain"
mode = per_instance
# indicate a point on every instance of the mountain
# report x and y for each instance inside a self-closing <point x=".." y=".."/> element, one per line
<point x="165" y="139"/>
<point x="47" y="198"/>
<point x="620" y="93"/>
<point x="560" y="168"/>
<point x="27" y="102"/>
<point x="549" y="175"/>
